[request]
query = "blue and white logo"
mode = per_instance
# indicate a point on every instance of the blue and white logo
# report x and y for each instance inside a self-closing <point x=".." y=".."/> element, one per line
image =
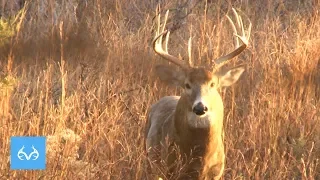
<point x="24" y="156"/>
<point x="28" y="152"/>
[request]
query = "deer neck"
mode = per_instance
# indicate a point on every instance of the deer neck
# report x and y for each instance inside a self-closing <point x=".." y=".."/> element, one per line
<point x="197" y="132"/>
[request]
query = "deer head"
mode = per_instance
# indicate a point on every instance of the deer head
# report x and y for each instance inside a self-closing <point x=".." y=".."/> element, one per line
<point x="201" y="84"/>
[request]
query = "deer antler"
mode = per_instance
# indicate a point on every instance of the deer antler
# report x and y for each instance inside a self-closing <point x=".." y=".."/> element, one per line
<point x="158" y="41"/>
<point x="221" y="61"/>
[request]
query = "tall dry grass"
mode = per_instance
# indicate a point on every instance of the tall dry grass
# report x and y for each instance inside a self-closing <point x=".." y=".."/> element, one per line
<point x="80" y="73"/>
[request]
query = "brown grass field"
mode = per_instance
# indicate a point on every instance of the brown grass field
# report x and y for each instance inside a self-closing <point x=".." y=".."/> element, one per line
<point x="81" y="73"/>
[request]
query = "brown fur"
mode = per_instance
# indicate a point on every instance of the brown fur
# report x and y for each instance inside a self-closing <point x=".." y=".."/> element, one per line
<point x="200" y="75"/>
<point x="171" y="123"/>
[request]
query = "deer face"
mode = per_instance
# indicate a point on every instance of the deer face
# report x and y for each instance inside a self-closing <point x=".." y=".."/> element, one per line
<point x="200" y="85"/>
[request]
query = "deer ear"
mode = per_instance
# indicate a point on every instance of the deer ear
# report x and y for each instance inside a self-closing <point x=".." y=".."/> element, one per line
<point x="170" y="75"/>
<point x="231" y="76"/>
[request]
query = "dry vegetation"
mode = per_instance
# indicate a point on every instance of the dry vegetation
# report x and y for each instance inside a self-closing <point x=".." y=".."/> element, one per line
<point x="80" y="73"/>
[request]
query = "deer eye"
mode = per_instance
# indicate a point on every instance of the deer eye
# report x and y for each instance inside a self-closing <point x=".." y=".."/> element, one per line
<point x="212" y="84"/>
<point x="187" y="86"/>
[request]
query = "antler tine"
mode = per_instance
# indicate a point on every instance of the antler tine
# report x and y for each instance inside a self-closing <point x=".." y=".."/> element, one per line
<point x="244" y="37"/>
<point x="221" y="61"/>
<point x="190" y="51"/>
<point x="158" y="41"/>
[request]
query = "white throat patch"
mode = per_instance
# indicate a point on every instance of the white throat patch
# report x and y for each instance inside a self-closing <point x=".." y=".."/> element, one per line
<point x="204" y="121"/>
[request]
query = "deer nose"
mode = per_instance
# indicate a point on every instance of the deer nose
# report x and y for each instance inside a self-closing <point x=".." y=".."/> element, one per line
<point x="200" y="109"/>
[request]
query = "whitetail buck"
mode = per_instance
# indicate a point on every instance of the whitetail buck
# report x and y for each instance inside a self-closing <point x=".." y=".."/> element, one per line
<point x="193" y="122"/>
